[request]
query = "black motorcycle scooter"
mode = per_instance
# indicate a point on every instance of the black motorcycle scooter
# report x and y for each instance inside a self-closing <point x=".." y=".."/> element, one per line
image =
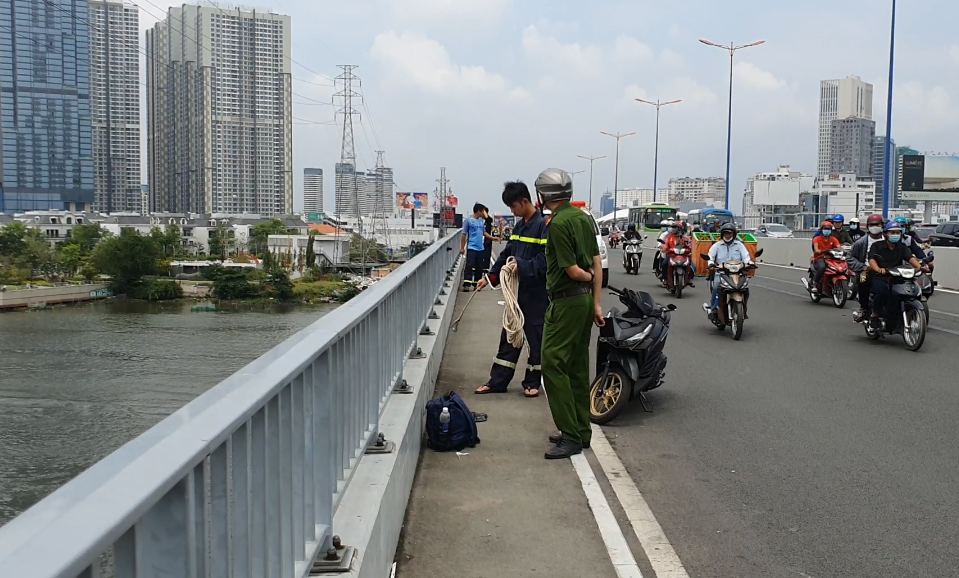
<point x="629" y="354"/>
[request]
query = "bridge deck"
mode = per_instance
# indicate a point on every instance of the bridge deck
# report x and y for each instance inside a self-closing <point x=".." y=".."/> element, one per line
<point x="501" y="510"/>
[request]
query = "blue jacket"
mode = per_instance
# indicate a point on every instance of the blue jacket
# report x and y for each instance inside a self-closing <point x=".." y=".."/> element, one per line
<point x="528" y="245"/>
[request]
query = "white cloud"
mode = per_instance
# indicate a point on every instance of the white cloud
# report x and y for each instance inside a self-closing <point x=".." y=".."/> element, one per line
<point x="583" y="59"/>
<point x="412" y="59"/>
<point x="754" y="77"/>
<point x="954" y="53"/>
<point x="694" y="96"/>
<point x="448" y="11"/>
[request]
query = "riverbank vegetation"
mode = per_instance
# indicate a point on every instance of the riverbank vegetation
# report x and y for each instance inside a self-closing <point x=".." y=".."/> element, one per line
<point x="138" y="265"/>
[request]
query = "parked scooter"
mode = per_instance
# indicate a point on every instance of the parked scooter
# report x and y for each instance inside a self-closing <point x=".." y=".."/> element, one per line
<point x="632" y="255"/>
<point x="904" y="314"/>
<point x="629" y="354"/>
<point x="733" y="295"/>
<point x="835" y="281"/>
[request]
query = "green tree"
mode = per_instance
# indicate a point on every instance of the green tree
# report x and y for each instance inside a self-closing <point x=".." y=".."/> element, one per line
<point x="37" y="256"/>
<point x="127" y="259"/>
<point x="231" y="283"/>
<point x="278" y="285"/>
<point x="310" y="251"/>
<point x="259" y="235"/>
<point x="86" y="236"/>
<point x="12" y="239"/>
<point x="169" y="239"/>
<point x="69" y="256"/>
<point x="366" y="250"/>
<point x="222" y="243"/>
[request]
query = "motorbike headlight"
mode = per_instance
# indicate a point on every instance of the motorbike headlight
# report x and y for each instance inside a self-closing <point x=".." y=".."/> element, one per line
<point x="734" y="268"/>
<point x="907" y="273"/>
<point x="635" y="339"/>
<point x="680" y="251"/>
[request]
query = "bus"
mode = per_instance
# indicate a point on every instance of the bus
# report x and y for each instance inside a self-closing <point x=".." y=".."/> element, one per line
<point x="648" y="217"/>
<point x="707" y="219"/>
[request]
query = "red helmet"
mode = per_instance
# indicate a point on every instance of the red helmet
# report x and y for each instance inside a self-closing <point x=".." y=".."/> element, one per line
<point x="874" y="220"/>
<point x="679" y="225"/>
<point x="826" y="225"/>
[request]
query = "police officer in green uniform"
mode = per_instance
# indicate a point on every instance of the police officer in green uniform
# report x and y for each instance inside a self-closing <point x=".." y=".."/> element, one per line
<point x="572" y="261"/>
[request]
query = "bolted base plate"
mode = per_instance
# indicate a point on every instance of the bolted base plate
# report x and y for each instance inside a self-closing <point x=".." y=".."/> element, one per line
<point x="387" y="447"/>
<point x="417" y="354"/>
<point x="433" y="315"/>
<point x="426" y="330"/>
<point x="403" y="387"/>
<point x="342" y="564"/>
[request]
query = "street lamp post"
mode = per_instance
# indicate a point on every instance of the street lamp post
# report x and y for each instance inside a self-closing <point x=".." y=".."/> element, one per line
<point x="616" y="136"/>
<point x="591" y="159"/>
<point x="658" y="106"/>
<point x="732" y="48"/>
<point x="572" y="177"/>
<point x="887" y="162"/>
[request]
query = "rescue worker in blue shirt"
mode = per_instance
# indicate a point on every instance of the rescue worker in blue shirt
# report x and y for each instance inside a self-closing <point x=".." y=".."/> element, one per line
<point x="527" y="245"/>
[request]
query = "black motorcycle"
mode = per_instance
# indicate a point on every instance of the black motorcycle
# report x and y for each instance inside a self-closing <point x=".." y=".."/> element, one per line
<point x="632" y="256"/>
<point x="905" y="312"/>
<point x="629" y="354"/>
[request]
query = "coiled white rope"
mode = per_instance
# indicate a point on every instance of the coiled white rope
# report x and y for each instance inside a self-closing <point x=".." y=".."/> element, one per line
<point x="513" y="319"/>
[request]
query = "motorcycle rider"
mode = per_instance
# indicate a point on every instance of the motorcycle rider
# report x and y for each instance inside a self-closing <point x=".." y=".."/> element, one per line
<point x="858" y="260"/>
<point x="676" y="238"/>
<point x="665" y="227"/>
<point x="729" y="248"/>
<point x="911" y="231"/>
<point x="855" y="232"/>
<point x="822" y="244"/>
<point x="885" y="255"/>
<point x="839" y="231"/>
<point x="632" y="233"/>
<point x="909" y="241"/>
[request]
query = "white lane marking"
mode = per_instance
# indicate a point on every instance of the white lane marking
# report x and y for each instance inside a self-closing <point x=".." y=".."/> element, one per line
<point x="943" y="329"/>
<point x="616" y="545"/>
<point x="662" y="557"/>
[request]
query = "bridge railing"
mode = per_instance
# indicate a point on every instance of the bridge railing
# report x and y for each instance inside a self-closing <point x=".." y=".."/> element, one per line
<point x="243" y="481"/>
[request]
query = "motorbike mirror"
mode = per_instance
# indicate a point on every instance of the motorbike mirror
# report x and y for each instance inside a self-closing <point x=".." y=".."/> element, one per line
<point x="660" y="241"/>
<point x="759" y="253"/>
<point x="705" y="256"/>
<point x="671" y="307"/>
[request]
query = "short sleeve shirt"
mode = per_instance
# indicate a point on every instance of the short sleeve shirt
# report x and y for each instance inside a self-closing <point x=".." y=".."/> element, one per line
<point x="473" y="228"/>
<point x="889" y="258"/>
<point x="570" y="240"/>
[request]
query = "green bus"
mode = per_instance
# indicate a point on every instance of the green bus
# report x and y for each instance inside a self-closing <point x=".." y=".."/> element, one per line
<point x="648" y="217"/>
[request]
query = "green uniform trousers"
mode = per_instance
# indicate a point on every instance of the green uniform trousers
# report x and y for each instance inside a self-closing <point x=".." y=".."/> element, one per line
<point x="565" y="361"/>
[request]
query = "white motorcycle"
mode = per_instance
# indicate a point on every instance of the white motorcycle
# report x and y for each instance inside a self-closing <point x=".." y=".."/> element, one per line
<point x="632" y="256"/>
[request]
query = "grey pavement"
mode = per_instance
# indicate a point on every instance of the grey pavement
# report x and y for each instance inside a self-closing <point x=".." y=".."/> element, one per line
<point x="501" y="510"/>
<point x="804" y="449"/>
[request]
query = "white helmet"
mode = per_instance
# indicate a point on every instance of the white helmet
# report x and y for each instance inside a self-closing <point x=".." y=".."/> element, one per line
<point x="666" y="224"/>
<point x="554" y="185"/>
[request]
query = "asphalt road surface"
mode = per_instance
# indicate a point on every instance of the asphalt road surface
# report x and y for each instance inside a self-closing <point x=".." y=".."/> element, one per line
<point x="804" y="449"/>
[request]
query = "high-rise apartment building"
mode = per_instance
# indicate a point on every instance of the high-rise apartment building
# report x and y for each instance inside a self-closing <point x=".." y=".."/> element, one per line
<point x="697" y="190"/>
<point x="850" y="147"/>
<point x="115" y="105"/>
<point x="879" y="175"/>
<point x="219" y="114"/>
<point x="46" y="158"/>
<point x="373" y="191"/>
<point x="838" y="99"/>
<point x="312" y="190"/>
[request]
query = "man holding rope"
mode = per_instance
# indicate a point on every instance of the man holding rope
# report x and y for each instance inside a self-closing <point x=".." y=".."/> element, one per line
<point x="524" y="257"/>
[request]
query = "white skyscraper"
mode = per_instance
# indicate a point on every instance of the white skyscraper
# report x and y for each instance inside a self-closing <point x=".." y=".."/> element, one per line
<point x="312" y="190"/>
<point x="697" y="190"/>
<point x="115" y="105"/>
<point x="840" y="99"/>
<point x="219" y="110"/>
<point x="374" y="191"/>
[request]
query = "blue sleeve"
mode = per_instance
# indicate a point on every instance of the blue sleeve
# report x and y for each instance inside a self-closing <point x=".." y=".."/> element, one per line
<point x="535" y="268"/>
<point x="466" y="227"/>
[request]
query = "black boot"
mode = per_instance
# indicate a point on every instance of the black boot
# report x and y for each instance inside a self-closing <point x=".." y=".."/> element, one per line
<point x="558" y="437"/>
<point x="563" y="449"/>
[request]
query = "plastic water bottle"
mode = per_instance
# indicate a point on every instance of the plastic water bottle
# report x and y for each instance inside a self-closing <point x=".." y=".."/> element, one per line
<point x="445" y="417"/>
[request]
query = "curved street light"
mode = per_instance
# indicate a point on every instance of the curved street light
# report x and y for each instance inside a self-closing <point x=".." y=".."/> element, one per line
<point x="732" y="48"/>
<point x="591" y="159"/>
<point x="658" y="106"/>
<point x="616" y="136"/>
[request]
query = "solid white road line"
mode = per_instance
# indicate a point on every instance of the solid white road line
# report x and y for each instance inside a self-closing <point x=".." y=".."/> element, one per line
<point x="616" y="545"/>
<point x="662" y="557"/>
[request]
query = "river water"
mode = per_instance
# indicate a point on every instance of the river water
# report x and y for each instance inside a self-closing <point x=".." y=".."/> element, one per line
<point x="76" y="383"/>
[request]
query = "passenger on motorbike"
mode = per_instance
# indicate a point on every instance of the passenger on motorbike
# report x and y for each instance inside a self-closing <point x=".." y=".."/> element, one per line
<point x="840" y="232"/>
<point x="632" y="233"/>
<point x="855" y="231"/>
<point x="910" y="231"/>
<point x="665" y="227"/>
<point x="675" y="238"/>
<point x="859" y="261"/>
<point x="909" y="241"/>
<point x="728" y="249"/>
<point x="883" y="256"/>
<point x="821" y="246"/>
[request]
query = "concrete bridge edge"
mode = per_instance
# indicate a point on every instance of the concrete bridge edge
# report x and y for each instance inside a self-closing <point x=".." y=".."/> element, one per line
<point x="372" y="511"/>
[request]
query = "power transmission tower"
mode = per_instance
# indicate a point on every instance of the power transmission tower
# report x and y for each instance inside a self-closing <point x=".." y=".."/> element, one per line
<point x="346" y="80"/>
<point x="382" y="196"/>
<point x="443" y="183"/>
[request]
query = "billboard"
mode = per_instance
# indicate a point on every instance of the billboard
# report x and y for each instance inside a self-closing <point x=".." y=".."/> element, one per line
<point x="930" y="178"/>
<point x="418" y="201"/>
<point x="781" y="192"/>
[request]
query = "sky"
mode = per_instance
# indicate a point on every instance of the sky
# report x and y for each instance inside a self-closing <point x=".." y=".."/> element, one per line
<point x="498" y="90"/>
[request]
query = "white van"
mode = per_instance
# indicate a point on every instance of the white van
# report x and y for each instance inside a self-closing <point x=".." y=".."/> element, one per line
<point x="603" y="253"/>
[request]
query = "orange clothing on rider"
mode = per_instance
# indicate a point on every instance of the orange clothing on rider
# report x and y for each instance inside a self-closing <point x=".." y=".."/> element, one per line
<point x="822" y="244"/>
<point x="673" y="241"/>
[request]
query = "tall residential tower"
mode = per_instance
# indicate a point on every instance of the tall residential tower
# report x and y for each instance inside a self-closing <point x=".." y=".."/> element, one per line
<point x="219" y="112"/>
<point x="840" y="99"/>
<point x="46" y="158"/>
<point x="115" y="105"/>
<point x="312" y="190"/>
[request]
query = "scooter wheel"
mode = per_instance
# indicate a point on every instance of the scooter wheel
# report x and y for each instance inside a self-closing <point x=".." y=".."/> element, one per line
<point x="608" y="397"/>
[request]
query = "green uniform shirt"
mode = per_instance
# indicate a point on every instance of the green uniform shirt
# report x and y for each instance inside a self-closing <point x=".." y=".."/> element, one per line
<point x="570" y="241"/>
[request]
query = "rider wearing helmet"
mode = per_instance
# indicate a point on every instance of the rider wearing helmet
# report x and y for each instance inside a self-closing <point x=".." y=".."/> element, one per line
<point x="858" y="260"/>
<point x="908" y="240"/>
<point x="632" y="233"/>
<point x="821" y="245"/>
<point x="885" y="255"/>
<point x="839" y="231"/>
<point x="728" y="248"/>
<point x="911" y="231"/>
<point x="819" y="231"/>
<point x="676" y="238"/>
<point x="855" y="231"/>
